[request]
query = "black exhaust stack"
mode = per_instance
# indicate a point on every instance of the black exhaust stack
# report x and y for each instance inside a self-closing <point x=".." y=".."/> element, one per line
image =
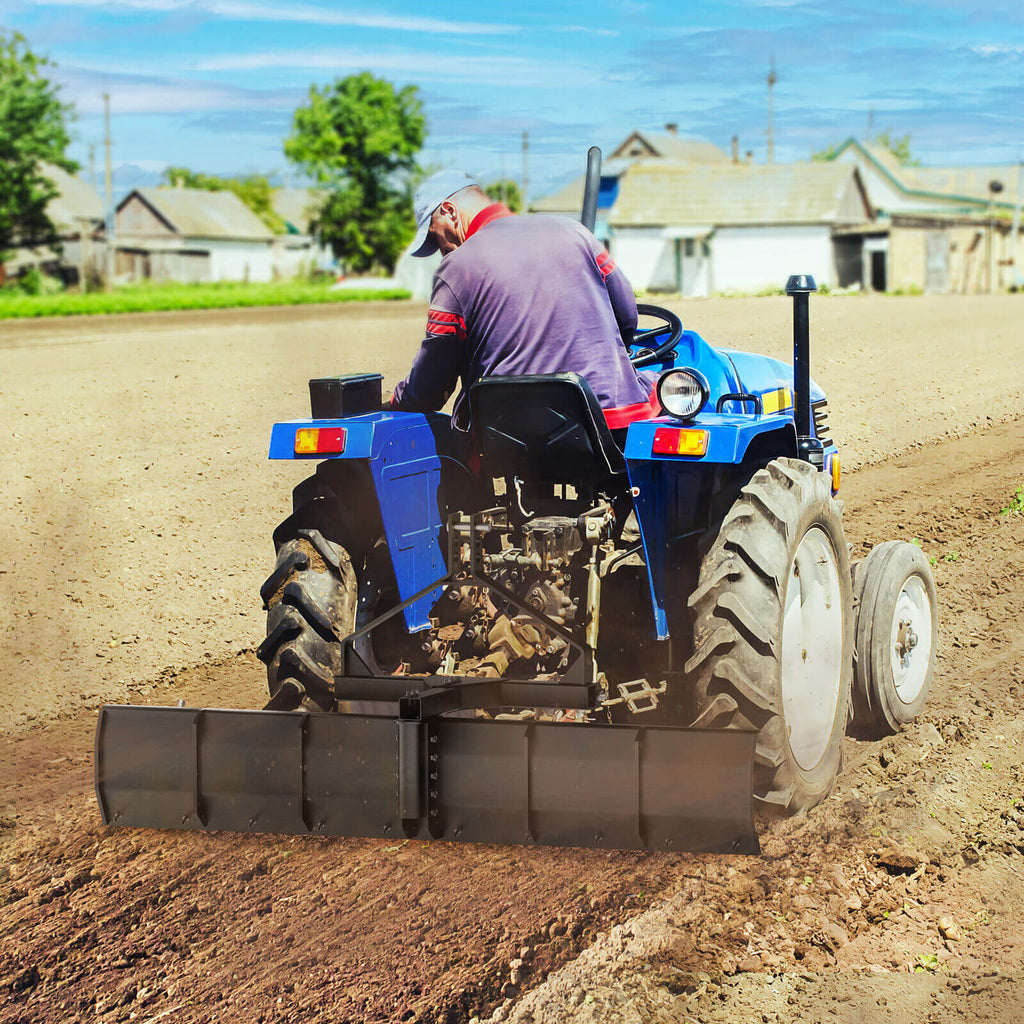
<point x="809" y="448"/>
<point x="591" y="186"/>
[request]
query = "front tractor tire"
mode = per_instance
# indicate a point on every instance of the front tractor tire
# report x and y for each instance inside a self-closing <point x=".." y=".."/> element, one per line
<point x="774" y="632"/>
<point x="896" y="638"/>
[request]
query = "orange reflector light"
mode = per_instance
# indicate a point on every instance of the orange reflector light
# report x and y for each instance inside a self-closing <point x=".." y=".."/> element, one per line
<point x="319" y="440"/>
<point x="677" y="441"/>
<point x="836" y="472"/>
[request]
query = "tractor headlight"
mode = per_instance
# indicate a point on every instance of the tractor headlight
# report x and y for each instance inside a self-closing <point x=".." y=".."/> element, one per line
<point x="682" y="393"/>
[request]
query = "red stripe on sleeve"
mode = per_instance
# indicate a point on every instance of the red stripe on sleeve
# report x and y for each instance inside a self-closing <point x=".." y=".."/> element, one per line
<point x="442" y="315"/>
<point x="440" y="321"/>
<point x="605" y="263"/>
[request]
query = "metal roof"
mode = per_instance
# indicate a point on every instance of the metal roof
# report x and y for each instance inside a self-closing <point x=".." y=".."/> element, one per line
<point x="662" y="146"/>
<point x="196" y="213"/>
<point x="947" y="185"/>
<point x="972" y="182"/>
<point x="669" y="146"/>
<point x="297" y="207"/>
<point x="76" y="200"/>
<point x="566" y="200"/>
<point x="654" y="193"/>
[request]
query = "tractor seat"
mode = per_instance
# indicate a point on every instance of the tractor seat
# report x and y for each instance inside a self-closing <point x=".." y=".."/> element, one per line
<point x="544" y="428"/>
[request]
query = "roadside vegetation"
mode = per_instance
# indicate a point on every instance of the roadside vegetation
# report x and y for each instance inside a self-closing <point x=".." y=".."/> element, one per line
<point x="149" y="298"/>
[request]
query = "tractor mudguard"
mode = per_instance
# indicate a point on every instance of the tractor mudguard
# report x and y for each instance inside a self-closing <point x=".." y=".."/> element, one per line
<point x="753" y="411"/>
<point x="667" y="489"/>
<point x="457" y="779"/>
<point x="408" y="454"/>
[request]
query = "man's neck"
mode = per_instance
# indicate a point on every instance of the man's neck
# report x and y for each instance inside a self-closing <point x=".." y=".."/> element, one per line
<point x="490" y="212"/>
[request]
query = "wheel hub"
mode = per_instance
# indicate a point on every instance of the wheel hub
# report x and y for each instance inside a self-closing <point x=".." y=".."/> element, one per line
<point x="906" y="641"/>
<point x="812" y="648"/>
<point x="911" y="638"/>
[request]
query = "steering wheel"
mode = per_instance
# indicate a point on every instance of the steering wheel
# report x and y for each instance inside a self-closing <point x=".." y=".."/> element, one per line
<point x="669" y="322"/>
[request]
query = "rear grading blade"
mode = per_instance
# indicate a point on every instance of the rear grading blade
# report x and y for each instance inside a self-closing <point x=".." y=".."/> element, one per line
<point x="463" y="779"/>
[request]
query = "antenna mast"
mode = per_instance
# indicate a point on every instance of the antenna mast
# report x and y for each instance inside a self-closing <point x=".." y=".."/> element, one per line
<point x="772" y="79"/>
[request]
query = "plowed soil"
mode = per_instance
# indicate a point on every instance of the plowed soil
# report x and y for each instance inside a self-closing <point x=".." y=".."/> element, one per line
<point x="134" y="540"/>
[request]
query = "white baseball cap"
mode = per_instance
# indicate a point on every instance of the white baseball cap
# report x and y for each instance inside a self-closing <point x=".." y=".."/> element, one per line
<point x="429" y="196"/>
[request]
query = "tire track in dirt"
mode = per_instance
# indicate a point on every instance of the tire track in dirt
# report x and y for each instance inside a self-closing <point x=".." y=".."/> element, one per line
<point x="97" y="924"/>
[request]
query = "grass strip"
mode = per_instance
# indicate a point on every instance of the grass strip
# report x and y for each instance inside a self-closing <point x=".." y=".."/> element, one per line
<point x="157" y="298"/>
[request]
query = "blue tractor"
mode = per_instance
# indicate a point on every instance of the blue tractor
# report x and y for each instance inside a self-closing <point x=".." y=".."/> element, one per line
<point x="562" y="630"/>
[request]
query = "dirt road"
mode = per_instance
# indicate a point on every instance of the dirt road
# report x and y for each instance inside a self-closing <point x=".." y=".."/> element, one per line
<point x="148" y="501"/>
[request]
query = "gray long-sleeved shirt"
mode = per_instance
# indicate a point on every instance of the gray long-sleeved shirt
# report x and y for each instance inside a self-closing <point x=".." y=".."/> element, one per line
<point x="535" y="294"/>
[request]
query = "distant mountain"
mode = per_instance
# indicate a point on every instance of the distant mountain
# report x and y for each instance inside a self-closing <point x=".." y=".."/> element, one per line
<point x="123" y="179"/>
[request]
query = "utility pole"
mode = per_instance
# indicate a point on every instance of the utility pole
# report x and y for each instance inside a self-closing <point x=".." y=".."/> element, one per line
<point x="994" y="188"/>
<point x="1015" y="229"/>
<point x="108" y="284"/>
<point x="526" y="172"/>
<point x="772" y="79"/>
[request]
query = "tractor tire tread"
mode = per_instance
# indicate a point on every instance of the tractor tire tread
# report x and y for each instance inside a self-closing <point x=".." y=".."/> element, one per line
<point x="311" y="596"/>
<point x="737" y="612"/>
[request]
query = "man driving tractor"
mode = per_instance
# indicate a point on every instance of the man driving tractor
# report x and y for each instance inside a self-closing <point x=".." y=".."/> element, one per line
<point x="515" y="295"/>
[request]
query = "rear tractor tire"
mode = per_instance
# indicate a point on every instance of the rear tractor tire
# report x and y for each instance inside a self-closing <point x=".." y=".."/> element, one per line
<point x="311" y="606"/>
<point x="896" y="638"/>
<point x="774" y="631"/>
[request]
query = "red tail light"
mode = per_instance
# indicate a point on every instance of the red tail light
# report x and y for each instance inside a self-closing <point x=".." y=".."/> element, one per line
<point x="319" y="440"/>
<point x="679" y="441"/>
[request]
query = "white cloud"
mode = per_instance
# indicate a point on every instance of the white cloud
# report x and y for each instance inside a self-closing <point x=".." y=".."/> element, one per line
<point x="248" y="10"/>
<point x="999" y="50"/>
<point x="139" y="93"/>
<point x="407" y="65"/>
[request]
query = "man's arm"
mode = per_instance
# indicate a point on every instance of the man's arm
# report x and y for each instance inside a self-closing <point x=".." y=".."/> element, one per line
<point x="620" y="291"/>
<point x="441" y="359"/>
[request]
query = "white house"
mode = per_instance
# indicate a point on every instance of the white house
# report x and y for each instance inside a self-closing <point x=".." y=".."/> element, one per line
<point x="667" y="147"/>
<point x="185" y="234"/>
<point x="700" y="229"/>
<point x="679" y="215"/>
<point x="76" y="212"/>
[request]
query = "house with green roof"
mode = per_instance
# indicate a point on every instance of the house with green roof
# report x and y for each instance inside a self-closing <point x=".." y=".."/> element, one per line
<point x="937" y="229"/>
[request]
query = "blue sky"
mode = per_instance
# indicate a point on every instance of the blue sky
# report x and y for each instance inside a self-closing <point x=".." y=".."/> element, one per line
<point x="212" y="84"/>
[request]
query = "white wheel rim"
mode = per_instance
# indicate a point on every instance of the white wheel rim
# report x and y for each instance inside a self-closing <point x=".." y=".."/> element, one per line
<point x="812" y="648"/>
<point x="910" y="639"/>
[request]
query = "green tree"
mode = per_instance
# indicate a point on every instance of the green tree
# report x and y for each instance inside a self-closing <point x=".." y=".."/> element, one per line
<point x="506" y="191"/>
<point x="359" y="138"/>
<point x="253" y="189"/>
<point x="900" y="148"/>
<point x="32" y="132"/>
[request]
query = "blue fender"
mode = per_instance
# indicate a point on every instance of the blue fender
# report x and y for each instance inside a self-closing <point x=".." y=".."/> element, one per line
<point x="405" y="452"/>
<point x="667" y="489"/>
